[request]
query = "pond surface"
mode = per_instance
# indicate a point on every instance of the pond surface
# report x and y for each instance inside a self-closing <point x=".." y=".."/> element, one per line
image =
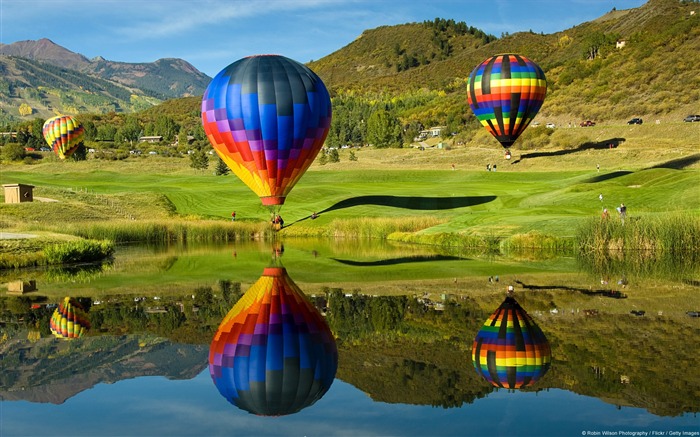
<point x="391" y="329"/>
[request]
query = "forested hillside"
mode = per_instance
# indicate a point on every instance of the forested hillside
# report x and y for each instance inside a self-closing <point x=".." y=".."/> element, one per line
<point x="394" y="81"/>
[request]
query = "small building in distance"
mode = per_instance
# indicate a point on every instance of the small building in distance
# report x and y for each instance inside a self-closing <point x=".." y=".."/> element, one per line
<point x="16" y="193"/>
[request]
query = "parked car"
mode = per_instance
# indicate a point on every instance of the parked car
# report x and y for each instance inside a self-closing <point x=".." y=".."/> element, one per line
<point x="635" y="121"/>
<point x="550" y="125"/>
<point x="692" y="118"/>
<point x="587" y="123"/>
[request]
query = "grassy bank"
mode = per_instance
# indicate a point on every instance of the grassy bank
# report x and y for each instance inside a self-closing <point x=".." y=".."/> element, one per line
<point x="42" y="251"/>
<point x="544" y="198"/>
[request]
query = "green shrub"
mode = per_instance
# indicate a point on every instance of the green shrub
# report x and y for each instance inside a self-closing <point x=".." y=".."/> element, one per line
<point x="78" y="251"/>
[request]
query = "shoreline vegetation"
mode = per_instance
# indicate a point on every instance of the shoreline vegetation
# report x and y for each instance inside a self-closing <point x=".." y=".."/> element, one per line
<point x="548" y="200"/>
<point x="671" y="235"/>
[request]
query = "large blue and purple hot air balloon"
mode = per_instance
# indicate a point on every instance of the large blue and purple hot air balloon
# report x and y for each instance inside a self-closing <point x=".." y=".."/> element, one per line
<point x="267" y="117"/>
<point x="273" y="353"/>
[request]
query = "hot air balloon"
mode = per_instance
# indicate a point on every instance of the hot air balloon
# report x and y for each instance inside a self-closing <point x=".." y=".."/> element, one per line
<point x="510" y="350"/>
<point x="267" y="117"/>
<point x="273" y="353"/>
<point x="64" y="134"/>
<point x="505" y="93"/>
<point x="69" y="320"/>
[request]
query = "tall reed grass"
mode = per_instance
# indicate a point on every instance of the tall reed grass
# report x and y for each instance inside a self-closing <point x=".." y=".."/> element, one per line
<point x="672" y="233"/>
<point x="124" y="231"/>
<point x="365" y="227"/>
<point x="78" y="251"/>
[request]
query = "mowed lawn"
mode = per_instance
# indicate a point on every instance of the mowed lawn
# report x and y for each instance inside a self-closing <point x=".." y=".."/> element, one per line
<point x="546" y="194"/>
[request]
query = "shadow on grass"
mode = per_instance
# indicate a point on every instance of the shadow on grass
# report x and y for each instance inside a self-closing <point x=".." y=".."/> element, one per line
<point x="608" y="176"/>
<point x="680" y="163"/>
<point x="589" y="292"/>
<point x="406" y="202"/>
<point x="611" y="143"/>
<point x="394" y="261"/>
<point x="409" y="202"/>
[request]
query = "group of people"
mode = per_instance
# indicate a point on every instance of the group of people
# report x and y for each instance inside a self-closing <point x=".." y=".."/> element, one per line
<point x="490" y="167"/>
<point x="621" y="210"/>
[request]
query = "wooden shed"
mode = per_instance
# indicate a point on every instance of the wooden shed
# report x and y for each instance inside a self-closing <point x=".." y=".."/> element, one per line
<point x="16" y="193"/>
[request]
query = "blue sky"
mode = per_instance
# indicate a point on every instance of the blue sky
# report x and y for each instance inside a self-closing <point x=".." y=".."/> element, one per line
<point x="211" y="34"/>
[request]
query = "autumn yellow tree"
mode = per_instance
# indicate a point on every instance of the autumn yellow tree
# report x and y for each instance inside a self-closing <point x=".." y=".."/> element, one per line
<point x="25" y="109"/>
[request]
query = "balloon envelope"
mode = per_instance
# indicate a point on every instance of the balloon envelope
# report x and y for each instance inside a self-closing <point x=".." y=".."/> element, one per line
<point x="267" y="118"/>
<point x="69" y="320"/>
<point x="510" y="350"/>
<point x="64" y="134"/>
<point x="505" y="93"/>
<point x="273" y="353"/>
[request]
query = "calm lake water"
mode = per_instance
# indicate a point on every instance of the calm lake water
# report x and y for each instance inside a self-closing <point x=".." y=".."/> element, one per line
<point x="620" y="357"/>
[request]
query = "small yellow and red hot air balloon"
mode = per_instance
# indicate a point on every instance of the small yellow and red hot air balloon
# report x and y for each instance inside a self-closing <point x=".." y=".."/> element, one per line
<point x="69" y="320"/>
<point x="64" y="134"/>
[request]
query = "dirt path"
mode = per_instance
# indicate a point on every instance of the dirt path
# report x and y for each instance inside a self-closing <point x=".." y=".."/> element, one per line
<point x="15" y="236"/>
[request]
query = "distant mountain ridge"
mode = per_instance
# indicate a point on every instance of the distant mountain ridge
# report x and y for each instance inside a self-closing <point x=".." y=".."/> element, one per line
<point x="50" y="78"/>
<point x="627" y="63"/>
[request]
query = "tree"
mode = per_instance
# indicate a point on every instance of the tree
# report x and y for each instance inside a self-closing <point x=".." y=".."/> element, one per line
<point x="106" y="132"/>
<point x="166" y="127"/>
<point x="90" y="130"/>
<point x="13" y="152"/>
<point x="130" y="132"/>
<point x="333" y="155"/>
<point x="199" y="160"/>
<point x="383" y="129"/>
<point x="25" y="109"/>
<point x="221" y="168"/>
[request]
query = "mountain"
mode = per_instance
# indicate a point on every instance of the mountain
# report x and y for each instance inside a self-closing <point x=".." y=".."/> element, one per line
<point x="653" y="74"/>
<point x="50" y="78"/>
<point x="54" y="371"/>
<point x="639" y="62"/>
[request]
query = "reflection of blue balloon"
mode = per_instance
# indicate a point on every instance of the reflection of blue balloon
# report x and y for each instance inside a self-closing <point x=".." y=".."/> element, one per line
<point x="273" y="353"/>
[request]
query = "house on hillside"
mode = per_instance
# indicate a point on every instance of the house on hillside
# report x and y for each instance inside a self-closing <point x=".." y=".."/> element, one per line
<point x="151" y="139"/>
<point x="431" y="132"/>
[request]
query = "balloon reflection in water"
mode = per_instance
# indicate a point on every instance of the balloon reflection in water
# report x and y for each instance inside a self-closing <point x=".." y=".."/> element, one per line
<point x="273" y="353"/>
<point x="510" y="350"/>
<point x="69" y="320"/>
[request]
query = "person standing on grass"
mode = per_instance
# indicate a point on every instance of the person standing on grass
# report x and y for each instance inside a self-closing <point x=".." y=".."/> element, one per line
<point x="233" y="216"/>
<point x="623" y="212"/>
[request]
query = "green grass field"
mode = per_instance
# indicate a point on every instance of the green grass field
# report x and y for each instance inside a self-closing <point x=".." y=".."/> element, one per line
<point x="655" y="170"/>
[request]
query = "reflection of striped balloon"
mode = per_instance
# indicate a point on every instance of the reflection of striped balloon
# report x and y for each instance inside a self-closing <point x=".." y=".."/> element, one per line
<point x="267" y="118"/>
<point x="510" y="350"/>
<point x="273" y="353"/>
<point x="69" y="320"/>
<point x="64" y="134"/>
<point x="505" y="93"/>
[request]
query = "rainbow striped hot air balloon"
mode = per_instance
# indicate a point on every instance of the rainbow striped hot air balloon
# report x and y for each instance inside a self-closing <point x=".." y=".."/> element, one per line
<point x="273" y="353"/>
<point x="505" y="93"/>
<point x="69" y="320"/>
<point x="267" y="118"/>
<point x="64" y="134"/>
<point x="510" y="350"/>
